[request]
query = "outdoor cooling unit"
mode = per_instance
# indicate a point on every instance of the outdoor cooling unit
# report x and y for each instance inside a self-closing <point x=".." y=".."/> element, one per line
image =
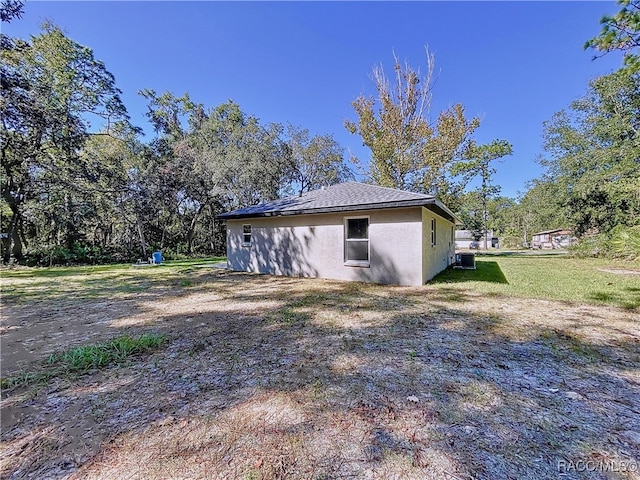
<point x="466" y="261"/>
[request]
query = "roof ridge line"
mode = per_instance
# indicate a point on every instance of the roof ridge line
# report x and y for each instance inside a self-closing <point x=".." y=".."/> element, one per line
<point x="376" y="186"/>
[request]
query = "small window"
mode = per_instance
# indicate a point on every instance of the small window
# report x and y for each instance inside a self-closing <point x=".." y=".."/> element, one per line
<point x="356" y="248"/>
<point x="246" y="234"/>
<point x="433" y="232"/>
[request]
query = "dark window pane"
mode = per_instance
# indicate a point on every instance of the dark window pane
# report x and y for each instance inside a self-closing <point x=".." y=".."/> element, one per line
<point x="358" y="228"/>
<point x="358" y="250"/>
<point x="433" y="231"/>
<point x="246" y="229"/>
<point x="246" y="238"/>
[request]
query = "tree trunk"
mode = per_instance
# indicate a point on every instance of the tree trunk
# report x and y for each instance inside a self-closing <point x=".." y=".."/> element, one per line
<point x="484" y="222"/>
<point x="66" y="232"/>
<point x="14" y="243"/>
<point x="141" y="235"/>
<point x="14" y="234"/>
<point x="192" y="227"/>
<point x="485" y="214"/>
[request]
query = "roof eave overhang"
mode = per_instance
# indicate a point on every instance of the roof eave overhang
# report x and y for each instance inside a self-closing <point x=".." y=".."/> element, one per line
<point x="432" y="204"/>
<point x="446" y="213"/>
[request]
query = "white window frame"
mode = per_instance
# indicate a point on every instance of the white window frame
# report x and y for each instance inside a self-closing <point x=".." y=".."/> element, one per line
<point x="434" y="235"/>
<point x="357" y="263"/>
<point x="244" y="235"/>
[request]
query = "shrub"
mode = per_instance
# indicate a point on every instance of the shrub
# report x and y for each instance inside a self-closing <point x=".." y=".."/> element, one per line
<point x="511" y="241"/>
<point x="624" y="242"/>
<point x="590" y="246"/>
<point x="621" y="242"/>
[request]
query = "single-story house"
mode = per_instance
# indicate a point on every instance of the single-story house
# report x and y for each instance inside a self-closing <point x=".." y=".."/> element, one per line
<point x="466" y="240"/>
<point x="349" y="231"/>
<point x="552" y="239"/>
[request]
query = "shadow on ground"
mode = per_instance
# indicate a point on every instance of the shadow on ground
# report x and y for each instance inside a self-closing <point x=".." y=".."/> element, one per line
<point x="629" y="301"/>
<point x="268" y="377"/>
<point x="486" y="271"/>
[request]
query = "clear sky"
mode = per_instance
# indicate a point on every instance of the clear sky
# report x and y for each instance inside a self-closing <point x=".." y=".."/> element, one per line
<point x="513" y="64"/>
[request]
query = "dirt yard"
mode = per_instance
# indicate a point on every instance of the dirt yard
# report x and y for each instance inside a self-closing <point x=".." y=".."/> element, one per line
<point x="274" y="378"/>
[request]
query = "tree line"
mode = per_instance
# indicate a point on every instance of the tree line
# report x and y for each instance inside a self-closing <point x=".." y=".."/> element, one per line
<point x="79" y="184"/>
<point x="591" y="159"/>
<point x="74" y="193"/>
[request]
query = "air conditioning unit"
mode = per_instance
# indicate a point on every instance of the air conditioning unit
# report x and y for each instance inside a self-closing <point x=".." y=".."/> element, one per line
<point x="466" y="261"/>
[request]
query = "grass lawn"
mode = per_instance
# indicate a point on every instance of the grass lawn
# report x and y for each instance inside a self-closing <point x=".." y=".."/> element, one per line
<point x="526" y="368"/>
<point x="22" y="285"/>
<point x="554" y="277"/>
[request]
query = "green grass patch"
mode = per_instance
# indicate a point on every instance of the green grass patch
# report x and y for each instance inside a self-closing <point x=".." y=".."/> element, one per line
<point x="289" y="316"/>
<point x="56" y="272"/>
<point x="80" y="360"/>
<point x="554" y="277"/>
<point x="24" y="285"/>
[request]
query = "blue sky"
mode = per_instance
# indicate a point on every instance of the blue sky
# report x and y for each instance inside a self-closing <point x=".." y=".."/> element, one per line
<point x="513" y="64"/>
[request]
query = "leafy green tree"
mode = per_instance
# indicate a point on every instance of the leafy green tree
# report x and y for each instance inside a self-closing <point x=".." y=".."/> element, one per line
<point x="541" y="208"/>
<point x="318" y="161"/>
<point x="621" y="32"/>
<point x="177" y="176"/>
<point x="110" y="189"/>
<point x="408" y="151"/>
<point x="52" y="88"/>
<point x="222" y="157"/>
<point x="471" y="214"/>
<point x="515" y="220"/>
<point x="78" y="184"/>
<point x="171" y="116"/>
<point x="504" y="221"/>
<point x="502" y="217"/>
<point x="501" y="214"/>
<point x="10" y="9"/>
<point x="477" y="163"/>
<point x="239" y="158"/>
<point x="594" y="154"/>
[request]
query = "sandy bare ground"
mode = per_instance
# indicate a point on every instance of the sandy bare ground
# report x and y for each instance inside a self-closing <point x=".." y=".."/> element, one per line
<point x="268" y="378"/>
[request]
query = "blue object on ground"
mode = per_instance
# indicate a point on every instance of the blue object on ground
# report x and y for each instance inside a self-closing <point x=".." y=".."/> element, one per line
<point x="157" y="257"/>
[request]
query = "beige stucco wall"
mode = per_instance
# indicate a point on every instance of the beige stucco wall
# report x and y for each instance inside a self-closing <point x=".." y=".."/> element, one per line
<point x="313" y="246"/>
<point x="436" y="258"/>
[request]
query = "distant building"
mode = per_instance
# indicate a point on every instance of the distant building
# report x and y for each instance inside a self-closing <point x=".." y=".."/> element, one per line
<point x="559" y="238"/>
<point x="464" y="240"/>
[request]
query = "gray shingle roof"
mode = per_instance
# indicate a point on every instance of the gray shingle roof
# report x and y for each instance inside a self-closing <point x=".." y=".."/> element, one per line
<point x="342" y="197"/>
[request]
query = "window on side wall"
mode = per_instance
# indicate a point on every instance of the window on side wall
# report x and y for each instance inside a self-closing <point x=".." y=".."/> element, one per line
<point x="356" y="241"/>
<point x="246" y="235"/>
<point x="433" y="232"/>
